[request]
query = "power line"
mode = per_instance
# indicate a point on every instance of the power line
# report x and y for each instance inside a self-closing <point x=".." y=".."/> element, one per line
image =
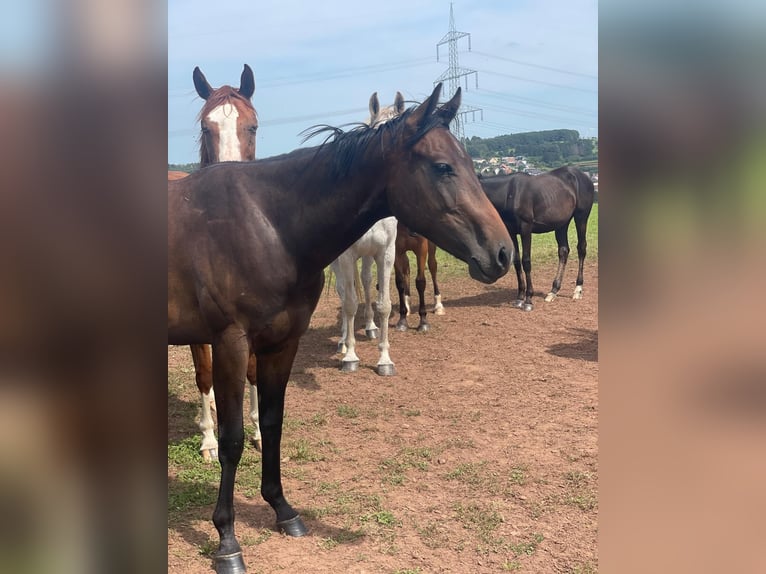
<point x="540" y="66"/>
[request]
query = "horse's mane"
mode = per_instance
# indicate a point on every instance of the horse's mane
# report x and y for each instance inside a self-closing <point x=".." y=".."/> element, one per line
<point x="224" y="95"/>
<point x="345" y="149"/>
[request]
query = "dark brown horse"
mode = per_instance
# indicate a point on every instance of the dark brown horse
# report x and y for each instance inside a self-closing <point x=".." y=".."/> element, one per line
<point x="248" y="244"/>
<point x="228" y="124"/>
<point x="540" y="204"/>
<point x="424" y="250"/>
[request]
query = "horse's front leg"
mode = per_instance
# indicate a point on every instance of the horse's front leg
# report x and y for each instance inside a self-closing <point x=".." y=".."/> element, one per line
<point x="526" y="264"/>
<point x="273" y="373"/>
<point x="230" y="356"/>
<point x="433" y="266"/>
<point x="521" y="289"/>
<point x="345" y="275"/>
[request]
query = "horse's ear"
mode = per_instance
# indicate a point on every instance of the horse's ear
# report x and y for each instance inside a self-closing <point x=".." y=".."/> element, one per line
<point x="424" y="110"/>
<point x="374" y="107"/>
<point x="449" y="110"/>
<point x="399" y="103"/>
<point x="247" y="83"/>
<point x="200" y="84"/>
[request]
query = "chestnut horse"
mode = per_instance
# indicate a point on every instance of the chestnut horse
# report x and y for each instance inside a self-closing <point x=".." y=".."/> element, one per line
<point x="248" y="244"/>
<point x="424" y="250"/>
<point x="377" y="244"/>
<point x="228" y="124"/>
<point x="543" y="203"/>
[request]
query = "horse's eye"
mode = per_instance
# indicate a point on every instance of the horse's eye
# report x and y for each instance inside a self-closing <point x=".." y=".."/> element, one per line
<point x="253" y="129"/>
<point x="205" y="129"/>
<point x="443" y="168"/>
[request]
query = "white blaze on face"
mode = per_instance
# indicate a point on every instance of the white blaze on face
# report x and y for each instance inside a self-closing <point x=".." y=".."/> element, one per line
<point x="225" y="118"/>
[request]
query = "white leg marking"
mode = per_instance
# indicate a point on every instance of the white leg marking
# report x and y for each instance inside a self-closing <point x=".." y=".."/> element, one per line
<point x="438" y="307"/>
<point x="550" y="297"/>
<point x="209" y="448"/>
<point x="577" y="292"/>
<point x="254" y="411"/>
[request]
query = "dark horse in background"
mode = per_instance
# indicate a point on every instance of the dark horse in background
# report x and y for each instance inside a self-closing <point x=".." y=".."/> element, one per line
<point x="543" y="203"/>
<point x="248" y="244"/>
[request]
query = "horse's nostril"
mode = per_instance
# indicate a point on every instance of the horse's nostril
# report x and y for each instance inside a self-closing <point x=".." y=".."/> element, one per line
<point x="503" y="258"/>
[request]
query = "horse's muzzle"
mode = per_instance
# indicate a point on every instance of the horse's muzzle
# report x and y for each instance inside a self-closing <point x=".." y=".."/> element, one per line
<point x="494" y="268"/>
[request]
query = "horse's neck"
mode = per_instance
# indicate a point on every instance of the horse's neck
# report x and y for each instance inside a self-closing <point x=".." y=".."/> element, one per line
<point x="319" y="218"/>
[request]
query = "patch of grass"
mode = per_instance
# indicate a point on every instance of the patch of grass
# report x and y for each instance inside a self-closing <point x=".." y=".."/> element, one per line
<point x="343" y="536"/>
<point x="382" y="518"/>
<point x="302" y="451"/>
<point x="433" y="535"/>
<point x="347" y="411"/>
<point x="511" y="565"/>
<point x="583" y="501"/>
<point x="586" y="568"/>
<point x="527" y="548"/>
<point x="412" y="413"/>
<point x="195" y="482"/>
<point x="395" y="468"/>
<point x="208" y="548"/>
<point x="480" y="519"/>
<point x="518" y="475"/>
<point x="407" y="571"/>
<point x="263" y="536"/>
<point x="319" y="419"/>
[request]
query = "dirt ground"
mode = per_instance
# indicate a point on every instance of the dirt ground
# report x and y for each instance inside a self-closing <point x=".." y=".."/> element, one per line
<point x="479" y="456"/>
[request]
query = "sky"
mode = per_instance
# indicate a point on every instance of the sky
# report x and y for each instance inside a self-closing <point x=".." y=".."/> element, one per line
<point x="316" y="63"/>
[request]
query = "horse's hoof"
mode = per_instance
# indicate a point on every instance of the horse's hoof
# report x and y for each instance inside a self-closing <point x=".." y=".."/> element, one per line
<point x="256" y="442"/>
<point x="423" y="328"/>
<point x="230" y="564"/>
<point x="550" y="297"/>
<point x="293" y="527"/>
<point x="527" y="307"/>
<point x="386" y="370"/>
<point x="577" y="293"/>
<point x="210" y="455"/>
<point x="518" y="303"/>
<point x="439" y="311"/>
<point x="349" y="366"/>
<point x="400" y="326"/>
<point x="372" y="333"/>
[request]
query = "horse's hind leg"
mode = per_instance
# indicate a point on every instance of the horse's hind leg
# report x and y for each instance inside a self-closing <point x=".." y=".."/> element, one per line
<point x="252" y="379"/>
<point x="563" y="242"/>
<point x="385" y="263"/>
<point x="420" y="285"/>
<point x="521" y="289"/>
<point x="402" y="272"/>
<point x="203" y="373"/>
<point x="230" y="356"/>
<point x="432" y="267"/>
<point x="582" y="245"/>
<point x="370" y="328"/>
